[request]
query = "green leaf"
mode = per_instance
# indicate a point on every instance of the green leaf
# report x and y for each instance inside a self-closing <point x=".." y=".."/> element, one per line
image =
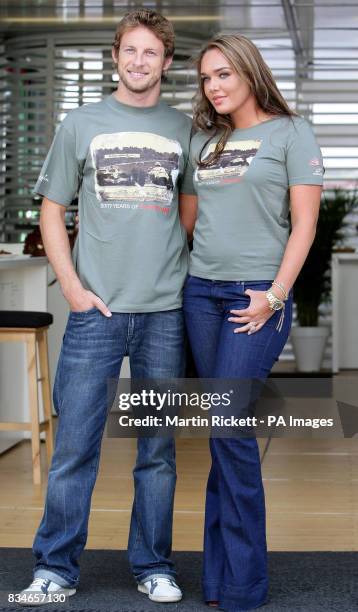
<point x="313" y="285"/>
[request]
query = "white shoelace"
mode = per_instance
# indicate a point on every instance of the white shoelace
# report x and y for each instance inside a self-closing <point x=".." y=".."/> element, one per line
<point x="40" y="582"/>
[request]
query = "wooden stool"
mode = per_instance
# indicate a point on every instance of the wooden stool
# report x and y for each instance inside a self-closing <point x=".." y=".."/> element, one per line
<point x="31" y="327"/>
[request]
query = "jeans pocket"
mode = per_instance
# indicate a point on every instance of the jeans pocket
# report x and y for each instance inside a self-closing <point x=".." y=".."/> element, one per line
<point x="83" y="313"/>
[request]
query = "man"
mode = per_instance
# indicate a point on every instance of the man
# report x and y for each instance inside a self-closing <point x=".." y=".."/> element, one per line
<point x="126" y="155"/>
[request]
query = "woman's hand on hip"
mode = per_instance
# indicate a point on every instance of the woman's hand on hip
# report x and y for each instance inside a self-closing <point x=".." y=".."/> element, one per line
<point x="255" y="316"/>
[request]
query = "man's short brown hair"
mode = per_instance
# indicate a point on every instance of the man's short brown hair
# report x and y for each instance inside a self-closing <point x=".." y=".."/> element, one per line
<point x="159" y="25"/>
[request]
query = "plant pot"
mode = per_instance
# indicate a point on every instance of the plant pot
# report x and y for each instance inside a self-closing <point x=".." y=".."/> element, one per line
<point x="308" y="346"/>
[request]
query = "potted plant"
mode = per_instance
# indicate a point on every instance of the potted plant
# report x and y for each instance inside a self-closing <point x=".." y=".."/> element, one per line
<point x="313" y="285"/>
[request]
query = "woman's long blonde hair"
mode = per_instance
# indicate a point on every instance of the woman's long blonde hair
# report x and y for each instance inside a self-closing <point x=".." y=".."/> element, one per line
<point x="248" y="62"/>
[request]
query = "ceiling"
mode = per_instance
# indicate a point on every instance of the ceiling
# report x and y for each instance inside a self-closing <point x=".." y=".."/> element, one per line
<point x="310" y="45"/>
<point x="326" y="26"/>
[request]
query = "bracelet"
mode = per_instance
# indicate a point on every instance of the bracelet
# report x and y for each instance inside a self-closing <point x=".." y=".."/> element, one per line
<point x="276" y="304"/>
<point x="281" y="286"/>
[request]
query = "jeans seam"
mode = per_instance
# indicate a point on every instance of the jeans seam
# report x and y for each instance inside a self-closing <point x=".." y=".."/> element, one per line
<point x="130" y="329"/>
<point x="267" y="346"/>
<point x="137" y="535"/>
<point x="263" y="355"/>
<point x="98" y="452"/>
<point x="58" y="383"/>
<point x="63" y="533"/>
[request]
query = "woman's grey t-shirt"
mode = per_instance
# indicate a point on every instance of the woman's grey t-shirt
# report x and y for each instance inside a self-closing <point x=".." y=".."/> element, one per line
<point x="126" y="164"/>
<point x="243" y="211"/>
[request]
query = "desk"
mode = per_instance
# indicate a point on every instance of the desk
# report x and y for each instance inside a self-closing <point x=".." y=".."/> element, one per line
<point x="344" y="311"/>
<point x="23" y="286"/>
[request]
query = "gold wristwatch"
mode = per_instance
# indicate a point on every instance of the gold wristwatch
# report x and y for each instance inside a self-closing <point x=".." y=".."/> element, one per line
<point x="274" y="302"/>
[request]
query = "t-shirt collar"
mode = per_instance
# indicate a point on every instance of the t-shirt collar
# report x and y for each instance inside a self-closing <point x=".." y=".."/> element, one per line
<point x="118" y="106"/>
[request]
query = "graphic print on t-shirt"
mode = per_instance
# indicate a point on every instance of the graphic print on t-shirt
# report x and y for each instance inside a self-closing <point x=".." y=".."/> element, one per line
<point x="232" y="163"/>
<point x="134" y="168"/>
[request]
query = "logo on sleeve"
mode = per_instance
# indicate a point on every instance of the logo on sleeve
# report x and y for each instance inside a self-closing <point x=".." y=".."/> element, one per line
<point x="315" y="163"/>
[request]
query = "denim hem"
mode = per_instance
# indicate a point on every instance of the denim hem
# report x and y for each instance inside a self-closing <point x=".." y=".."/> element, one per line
<point x="211" y="591"/>
<point x="233" y="599"/>
<point x="231" y="606"/>
<point x="149" y="575"/>
<point x="45" y="573"/>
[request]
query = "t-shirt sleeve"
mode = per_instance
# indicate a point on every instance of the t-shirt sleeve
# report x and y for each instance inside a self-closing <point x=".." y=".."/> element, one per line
<point x="187" y="182"/>
<point x="59" y="179"/>
<point x="304" y="161"/>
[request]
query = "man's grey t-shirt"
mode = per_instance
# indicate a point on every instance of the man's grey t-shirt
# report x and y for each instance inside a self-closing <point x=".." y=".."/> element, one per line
<point x="127" y="164"/>
<point x="243" y="213"/>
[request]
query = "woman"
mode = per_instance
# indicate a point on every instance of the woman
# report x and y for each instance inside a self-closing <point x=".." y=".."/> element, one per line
<point x="255" y="163"/>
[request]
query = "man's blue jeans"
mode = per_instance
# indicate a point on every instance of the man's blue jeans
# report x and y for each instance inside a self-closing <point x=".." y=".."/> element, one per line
<point x="92" y="352"/>
<point x="235" y="563"/>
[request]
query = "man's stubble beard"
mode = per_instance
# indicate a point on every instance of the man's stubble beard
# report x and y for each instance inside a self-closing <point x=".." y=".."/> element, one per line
<point x="140" y="88"/>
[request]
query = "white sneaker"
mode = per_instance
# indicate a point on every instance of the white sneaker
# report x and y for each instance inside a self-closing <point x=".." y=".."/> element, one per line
<point x="161" y="589"/>
<point x="44" y="591"/>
